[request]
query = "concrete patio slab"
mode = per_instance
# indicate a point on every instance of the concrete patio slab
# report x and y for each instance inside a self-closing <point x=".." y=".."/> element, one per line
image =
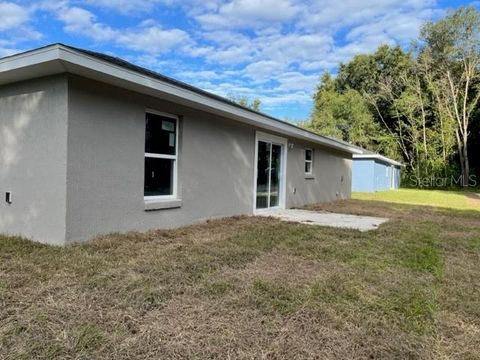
<point x="362" y="223"/>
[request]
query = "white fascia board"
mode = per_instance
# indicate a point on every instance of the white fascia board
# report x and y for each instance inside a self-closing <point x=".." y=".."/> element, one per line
<point x="30" y="65"/>
<point x="378" y="157"/>
<point x="30" y="58"/>
<point x="89" y="66"/>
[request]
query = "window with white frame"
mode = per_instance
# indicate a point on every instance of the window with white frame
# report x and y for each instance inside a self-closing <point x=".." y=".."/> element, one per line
<point x="308" y="161"/>
<point x="161" y="149"/>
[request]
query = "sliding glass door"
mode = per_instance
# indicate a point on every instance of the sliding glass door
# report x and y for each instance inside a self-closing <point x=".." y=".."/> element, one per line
<point x="269" y="174"/>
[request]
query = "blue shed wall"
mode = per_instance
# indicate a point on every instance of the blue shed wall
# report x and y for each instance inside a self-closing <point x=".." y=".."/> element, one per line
<point x="369" y="175"/>
<point x="363" y="171"/>
<point x="382" y="176"/>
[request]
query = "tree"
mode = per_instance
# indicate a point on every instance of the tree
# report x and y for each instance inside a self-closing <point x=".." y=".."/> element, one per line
<point x="365" y="73"/>
<point x="372" y="75"/>
<point x="343" y="115"/>
<point x="443" y="125"/>
<point x="408" y="101"/>
<point x="451" y="49"/>
<point x="244" y="101"/>
<point x="420" y="106"/>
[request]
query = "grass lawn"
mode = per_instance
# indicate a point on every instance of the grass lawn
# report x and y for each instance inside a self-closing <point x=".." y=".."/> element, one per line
<point x="252" y="288"/>
<point x="439" y="198"/>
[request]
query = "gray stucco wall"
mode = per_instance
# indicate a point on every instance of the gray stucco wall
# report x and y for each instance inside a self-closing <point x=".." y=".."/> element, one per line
<point x="106" y="142"/>
<point x="106" y="137"/>
<point x="33" y="152"/>
<point x="72" y="153"/>
<point x="330" y="179"/>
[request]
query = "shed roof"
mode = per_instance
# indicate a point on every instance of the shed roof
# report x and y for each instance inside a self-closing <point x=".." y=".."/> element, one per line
<point x="367" y="154"/>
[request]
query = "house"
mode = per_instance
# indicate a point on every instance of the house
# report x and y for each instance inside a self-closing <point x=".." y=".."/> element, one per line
<point x="374" y="172"/>
<point x="91" y="144"/>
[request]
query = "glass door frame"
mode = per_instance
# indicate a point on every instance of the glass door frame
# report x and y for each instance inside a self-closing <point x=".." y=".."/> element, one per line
<point x="276" y="140"/>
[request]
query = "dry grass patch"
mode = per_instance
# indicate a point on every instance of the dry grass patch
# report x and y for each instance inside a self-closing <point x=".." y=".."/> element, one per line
<point x="279" y="267"/>
<point x="251" y="288"/>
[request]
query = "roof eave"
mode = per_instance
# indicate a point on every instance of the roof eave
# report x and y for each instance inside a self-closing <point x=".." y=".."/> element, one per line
<point x="377" y="157"/>
<point x="60" y="59"/>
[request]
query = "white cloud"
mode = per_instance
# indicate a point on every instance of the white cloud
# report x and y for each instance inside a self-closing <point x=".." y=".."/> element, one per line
<point x="192" y="7"/>
<point x="200" y="75"/>
<point x="334" y="13"/>
<point x="230" y="48"/>
<point x="124" y="6"/>
<point x="12" y="15"/>
<point x="225" y="47"/>
<point x="53" y="6"/>
<point x="263" y="70"/>
<point x="310" y="41"/>
<point x="6" y="51"/>
<point x="15" y="28"/>
<point x="284" y="99"/>
<point x="282" y="55"/>
<point x="249" y="14"/>
<point x="226" y="37"/>
<point x="273" y="49"/>
<point x="153" y="39"/>
<point x="147" y="37"/>
<point x="318" y="65"/>
<point x="399" y="26"/>
<point x="230" y="55"/>
<point x="83" y="22"/>
<point x="294" y="47"/>
<point x="293" y="81"/>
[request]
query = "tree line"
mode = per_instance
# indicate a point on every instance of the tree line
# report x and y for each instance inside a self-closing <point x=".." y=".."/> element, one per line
<point x="419" y="106"/>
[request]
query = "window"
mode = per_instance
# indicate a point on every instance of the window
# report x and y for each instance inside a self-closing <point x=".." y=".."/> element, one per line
<point x="308" y="161"/>
<point x="161" y="150"/>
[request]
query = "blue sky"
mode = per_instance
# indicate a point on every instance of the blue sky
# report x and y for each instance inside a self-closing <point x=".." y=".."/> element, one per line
<point x="271" y="49"/>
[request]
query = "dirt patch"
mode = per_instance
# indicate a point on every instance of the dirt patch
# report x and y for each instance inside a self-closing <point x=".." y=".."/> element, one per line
<point x="473" y="199"/>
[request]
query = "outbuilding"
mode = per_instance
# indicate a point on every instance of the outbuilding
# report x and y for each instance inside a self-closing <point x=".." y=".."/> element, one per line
<point x="91" y="144"/>
<point x="374" y="172"/>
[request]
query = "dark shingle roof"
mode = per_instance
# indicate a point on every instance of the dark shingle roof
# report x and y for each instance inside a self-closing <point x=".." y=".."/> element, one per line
<point x="128" y="65"/>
